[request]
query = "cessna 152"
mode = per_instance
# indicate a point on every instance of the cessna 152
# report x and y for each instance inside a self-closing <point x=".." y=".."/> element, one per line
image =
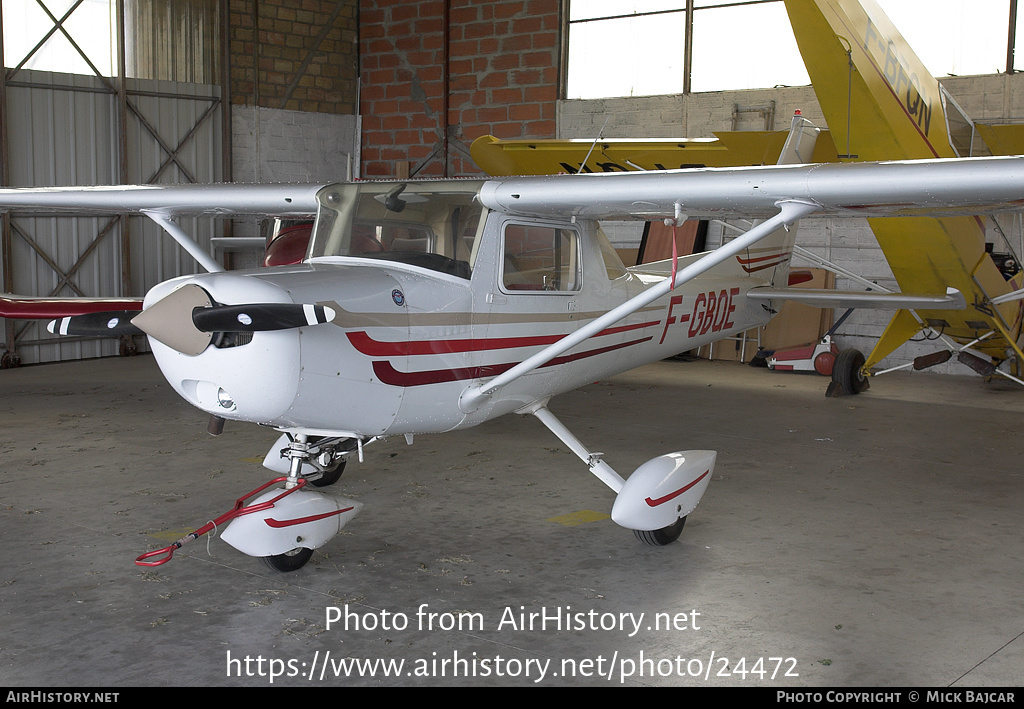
<point x="431" y="306"/>
<point x="880" y="103"/>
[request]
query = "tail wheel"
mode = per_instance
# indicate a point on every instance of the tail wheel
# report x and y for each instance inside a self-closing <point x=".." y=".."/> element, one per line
<point x="847" y="374"/>
<point x="663" y="536"/>
<point x="289" y="561"/>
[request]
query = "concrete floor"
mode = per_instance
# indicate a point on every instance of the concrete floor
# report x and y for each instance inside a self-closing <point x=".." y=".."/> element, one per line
<point x="874" y="540"/>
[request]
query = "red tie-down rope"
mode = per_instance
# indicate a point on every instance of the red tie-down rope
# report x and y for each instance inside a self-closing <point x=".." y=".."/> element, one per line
<point x="237" y="511"/>
<point x="675" y="256"/>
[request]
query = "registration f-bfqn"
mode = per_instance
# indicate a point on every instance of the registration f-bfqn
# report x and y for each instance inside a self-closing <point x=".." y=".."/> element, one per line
<point x="424" y="307"/>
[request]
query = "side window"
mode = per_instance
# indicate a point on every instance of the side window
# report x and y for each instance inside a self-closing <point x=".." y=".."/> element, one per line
<point x="540" y="258"/>
<point x="612" y="263"/>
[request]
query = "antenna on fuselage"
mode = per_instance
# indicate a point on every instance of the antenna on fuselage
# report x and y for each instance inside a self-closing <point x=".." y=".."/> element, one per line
<point x="392" y="201"/>
<point x="593" y="145"/>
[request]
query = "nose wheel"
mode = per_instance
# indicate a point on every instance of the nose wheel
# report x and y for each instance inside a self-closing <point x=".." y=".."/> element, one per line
<point x="289" y="561"/>
<point x="330" y="474"/>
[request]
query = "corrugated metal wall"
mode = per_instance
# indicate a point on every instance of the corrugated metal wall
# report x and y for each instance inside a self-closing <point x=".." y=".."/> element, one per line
<point x="181" y="40"/>
<point x="63" y="130"/>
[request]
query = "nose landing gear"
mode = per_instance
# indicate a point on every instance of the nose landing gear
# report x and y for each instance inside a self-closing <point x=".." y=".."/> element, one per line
<point x="323" y="458"/>
<point x="283" y="525"/>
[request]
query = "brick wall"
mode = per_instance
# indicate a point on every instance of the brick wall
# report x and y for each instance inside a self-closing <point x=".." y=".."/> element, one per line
<point x="298" y="55"/>
<point x="502" y="79"/>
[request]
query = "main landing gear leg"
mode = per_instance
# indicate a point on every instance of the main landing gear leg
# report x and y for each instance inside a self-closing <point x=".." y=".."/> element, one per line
<point x="658" y="496"/>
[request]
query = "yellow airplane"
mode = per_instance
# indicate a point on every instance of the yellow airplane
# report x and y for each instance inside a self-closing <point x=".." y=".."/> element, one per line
<point x="880" y="103"/>
<point x="891" y="105"/>
<point x="551" y="157"/>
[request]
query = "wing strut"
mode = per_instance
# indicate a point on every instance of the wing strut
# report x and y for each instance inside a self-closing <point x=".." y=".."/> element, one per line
<point x="184" y="240"/>
<point x="789" y="212"/>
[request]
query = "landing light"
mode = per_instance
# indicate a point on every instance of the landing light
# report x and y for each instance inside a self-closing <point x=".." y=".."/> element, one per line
<point x="224" y="400"/>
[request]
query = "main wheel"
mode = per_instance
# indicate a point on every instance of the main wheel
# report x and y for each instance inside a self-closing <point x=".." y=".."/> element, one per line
<point x="289" y="561"/>
<point x="847" y="374"/>
<point x="663" y="536"/>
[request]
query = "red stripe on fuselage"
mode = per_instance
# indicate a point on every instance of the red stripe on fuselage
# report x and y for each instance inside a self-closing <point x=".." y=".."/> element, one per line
<point x="377" y="348"/>
<point x="391" y="376"/>
<point x="773" y="259"/>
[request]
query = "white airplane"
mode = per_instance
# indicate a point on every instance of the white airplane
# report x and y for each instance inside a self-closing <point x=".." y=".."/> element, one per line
<point x="424" y="307"/>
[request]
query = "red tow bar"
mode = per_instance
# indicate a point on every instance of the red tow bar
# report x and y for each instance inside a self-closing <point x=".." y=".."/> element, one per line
<point x="237" y="511"/>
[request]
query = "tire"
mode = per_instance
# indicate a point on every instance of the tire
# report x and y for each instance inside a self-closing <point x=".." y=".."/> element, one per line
<point x="663" y="536"/>
<point x="330" y="476"/>
<point x="846" y="372"/>
<point x="289" y="561"/>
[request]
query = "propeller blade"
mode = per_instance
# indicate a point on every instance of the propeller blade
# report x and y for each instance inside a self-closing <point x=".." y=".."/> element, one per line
<point x="186" y="319"/>
<point x="113" y="323"/>
<point x="260" y="317"/>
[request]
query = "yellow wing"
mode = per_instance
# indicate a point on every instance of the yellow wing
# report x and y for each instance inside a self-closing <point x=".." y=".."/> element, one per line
<point x="552" y="157"/>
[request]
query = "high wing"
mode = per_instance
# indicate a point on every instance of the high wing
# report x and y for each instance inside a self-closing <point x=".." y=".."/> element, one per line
<point x="551" y="157"/>
<point x="966" y="186"/>
<point x="224" y="199"/>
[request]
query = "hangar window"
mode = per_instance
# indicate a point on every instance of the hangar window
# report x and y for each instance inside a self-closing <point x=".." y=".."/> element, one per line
<point x="640" y="47"/>
<point x="81" y="37"/>
<point x="647" y="47"/>
<point x="625" y="49"/>
<point x="744" y="47"/>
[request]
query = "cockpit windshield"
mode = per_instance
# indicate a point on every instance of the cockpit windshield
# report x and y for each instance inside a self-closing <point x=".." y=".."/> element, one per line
<point x="432" y="225"/>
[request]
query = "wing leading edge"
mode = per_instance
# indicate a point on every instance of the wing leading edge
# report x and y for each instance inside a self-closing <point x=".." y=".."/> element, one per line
<point x="171" y="200"/>
<point x="964" y="186"/>
<point x="908" y="188"/>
